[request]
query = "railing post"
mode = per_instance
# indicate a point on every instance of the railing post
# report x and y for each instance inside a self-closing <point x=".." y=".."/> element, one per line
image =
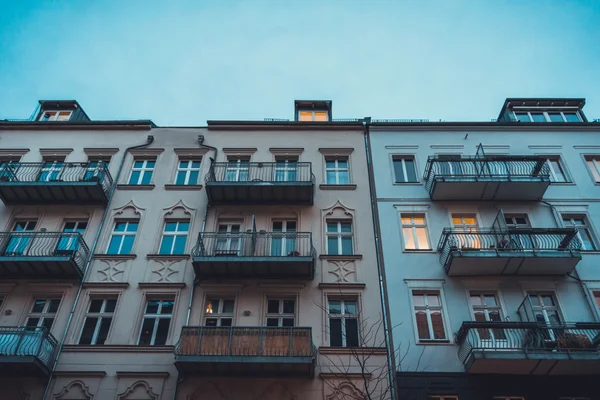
<point x="42" y="339"/>
<point x="230" y="339"/>
<point x="200" y="337"/>
<point x="260" y="341"/>
<point x="291" y="341"/>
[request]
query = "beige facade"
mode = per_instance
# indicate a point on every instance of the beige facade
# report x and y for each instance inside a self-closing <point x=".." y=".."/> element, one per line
<point x="138" y="301"/>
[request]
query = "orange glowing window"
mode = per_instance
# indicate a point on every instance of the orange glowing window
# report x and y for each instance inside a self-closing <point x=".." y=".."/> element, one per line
<point x="313" y="116"/>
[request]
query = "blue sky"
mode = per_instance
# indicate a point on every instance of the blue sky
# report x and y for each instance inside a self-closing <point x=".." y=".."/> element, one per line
<point x="183" y="62"/>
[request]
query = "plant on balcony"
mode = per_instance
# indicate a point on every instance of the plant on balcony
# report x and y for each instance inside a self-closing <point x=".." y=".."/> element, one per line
<point x="574" y="341"/>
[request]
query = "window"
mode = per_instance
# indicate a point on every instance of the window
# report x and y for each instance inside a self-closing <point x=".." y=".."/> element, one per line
<point x="313" y="116"/>
<point x="19" y="243"/>
<point x="141" y="172"/>
<point x="404" y="169"/>
<point x="336" y="171"/>
<point x="55" y="116"/>
<point x="286" y="170"/>
<point x="281" y="312"/>
<point x="156" y="321"/>
<point x="96" y="169"/>
<point x="174" y="237"/>
<point x="343" y="323"/>
<point x="229" y="239"/>
<point x="414" y="230"/>
<point x="584" y="232"/>
<point x="283" y="241"/>
<point x="123" y="236"/>
<point x="544" y="307"/>
<point x="219" y="311"/>
<point x="43" y="313"/>
<point x="593" y="163"/>
<point x="237" y="170"/>
<point x="557" y="171"/>
<point x="428" y="315"/>
<point x="339" y="238"/>
<point x="97" y="321"/>
<point x="50" y="171"/>
<point x="547" y="116"/>
<point x="596" y="297"/>
<point x="70" y="242"/>
<point x="188" y="172"/>
<point x="486" y="308"/>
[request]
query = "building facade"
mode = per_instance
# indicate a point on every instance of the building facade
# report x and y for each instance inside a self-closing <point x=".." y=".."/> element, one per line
<point x="234" y="261"/>
<point x="490" y="248"/>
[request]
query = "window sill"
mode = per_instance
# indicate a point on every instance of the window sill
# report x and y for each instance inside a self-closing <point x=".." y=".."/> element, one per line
<point x="167" y="256"/>
<point x="135" y="187"/>
<point x="326" y="186"/>
<point x="115" y="256"/>
<point x="182" y="187"/>
<point x="340" y="257"/>
<point x="407" y="183"/>
<point x="367" y="351"/>
<point x="589" y="251"/>
<point x="563" y="183"/>
<point x="435" y="343"/>
<point x="428" y="251"/>
<point x="121" y="348"/>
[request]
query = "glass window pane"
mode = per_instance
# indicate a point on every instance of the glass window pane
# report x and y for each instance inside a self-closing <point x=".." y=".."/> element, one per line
<point x="343" y="177"/>
<point x="127" y="244"/>
<point x="110" y="305"/>
<point x="228" y="306"/>
<point x="138" y="164"/>
<point x="166" y="245"/>
<point x="331" y="227"/>
<point x="331" y="177"/>
<point x="346" y="227"/>
<point x="193" y="179"/>
<point x="422" y="325"/>
<point x="170" y="226"/>
<point x="180" y="245"/>
<point x="548" y="300"/>
<point x="522" y="117"/>
<point x="146" y="333"/>
<point x="147" y="177"/>
<point x="289" y="306"/>
<point x="47" y="323"/>
<point x="305" y="116"/>
<point x="438" y="325"/>
<point x="406" y="221"/>
<point x="120" y="226"/>
<point x="113" y="246"/>
<point x="211" y="322"/>
<point x="347" y="245"/>
<point x="38" y="306"/>
<point x="103" y="331"/>
<point x="411" y="172"/>
<point x="273" y="307"/>
<point x="350" y="307"/>
<point x="226" y="321"/>
<point x="555" y="117"/>
<point x="352" y="332"/>
<point x="87" y="333"/>
<point x="329" y="164"/>
<point x="33" y="321"/>
<point x="95" y="305"/>
<point x="287" y="322"/>
<point x="572" y="117"/>
<point x="419" y="299"/>
<point x="335" y="307"/>
<point x="422" y="238"/>
<point x="480" y="316"/>
<point x="162" y="331"/>
<point x="335" y="332"/>
<point x="409" y="242"/>
<point x="132" y="227"/>
<point x="180" y="180"/>
<point x="538" y="117"/>
<point x="152" y="307"/>
<point x="399" y="171"/>
<point x="320" y="116"/>
<point x="135" y="176"/>
<point x="490" y="300"/>
<point x="150" y="164"/>
<point x="195" y="164"/>
<point x="419" y="220"/>
<point x="167" y="307"/>
<point x="53" y="305"/>
<point x="433" y="300"/>
<point x="332" y="245"/>
<point x="272" y="322"/>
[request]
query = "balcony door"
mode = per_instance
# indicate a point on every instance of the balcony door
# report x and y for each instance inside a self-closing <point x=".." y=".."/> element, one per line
<point x="485" y="307"/>
<point x="282" y="242"/>
<point x="51" y="171"/>
<point x="70" y="242"/>
<point x="237" y="170"/>
<point x="286" y="171"/>
<point x="468" y="231"/>
<point x="17" y="244"/>
<point x="545" y="308"/>
<point x="521" y="240"/>
<point x="229" y="239"/>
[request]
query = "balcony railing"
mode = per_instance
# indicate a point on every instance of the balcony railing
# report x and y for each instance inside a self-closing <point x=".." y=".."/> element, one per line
<point x="236" y="341"/>
<point x="25" y="182"/>
<point x="498" y="339"/>
<point x="513" y="242"/>
<point x="256" y="172"/>
<point x="28" y="341"/>
<point x="490" y="172"/>
<point x="45" y="247"/>
<point x="254" y="244"/>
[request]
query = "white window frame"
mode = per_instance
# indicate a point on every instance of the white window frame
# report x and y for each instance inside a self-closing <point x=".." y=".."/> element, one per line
<point x="428" y="309"/>
<point x="188" y="169"/>
<point x="176" y="233"/>
<point x="337" y="169"/>
<point x="414" y="227"/>
<point x="545" y="308"/>
<point x="339" y="234"/>
<point x="143" y="170"/>
<point x="562" y="166"/>
<point x="158" y="316"/>
<point x="122" y="234"/>
<point x="343" y="316"/>
<point x="55" y="116"/>
<point x="312" y="115"/>
<point x="586" y="226"/>
<point x="238" y="166"/>
<point x="593" y="164"/>
<point x="44" y="314"/>
<point x="546" y="114"/>
<point x="219" y="315"/>
<point x="100" y="317"/>
<point x="402" y="159"/>
<point x="284" y="166"/>
<point x="280" y="315"/>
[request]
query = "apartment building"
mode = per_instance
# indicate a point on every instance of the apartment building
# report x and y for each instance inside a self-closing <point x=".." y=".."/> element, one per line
<point x="234" y="261"/>
<point x="490" y="243"/>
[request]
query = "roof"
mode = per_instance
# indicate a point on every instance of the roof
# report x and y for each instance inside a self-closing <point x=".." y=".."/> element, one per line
<point x="541" y="102"/>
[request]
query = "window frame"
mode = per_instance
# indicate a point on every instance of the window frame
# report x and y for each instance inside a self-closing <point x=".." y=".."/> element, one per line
<point x="426" y="307"/>
<point x="336" y="169"/>
<point x="157" y="316"/>
<point x="339" y="235"/>
<point x="175" y="234"/>
<point x="593" y="161"/>
<point x="546" y="114"/>
<point x="413" y="226"/>
<point x="402" y="158"/>
<point x="219" y="315"/>
<point x="123" y="234"/>
<point x="143" y="170"/>
<point x="44" y="314"/>
<point x="563" y="167"/>
<point x="343" y="317"/>
<point x="189" y="169"/>
<point x="100" y="317"/>
<point x="281" y="315"/>
<point x="587" y="226"/>
<point x="55" y="116"/>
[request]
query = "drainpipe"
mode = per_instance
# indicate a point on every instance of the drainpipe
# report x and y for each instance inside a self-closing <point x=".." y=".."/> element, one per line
<point x="391" y="357"/>
<point x="180" y="379"/>
<point x="111" y="193"/>
<point x="558" y="220"/>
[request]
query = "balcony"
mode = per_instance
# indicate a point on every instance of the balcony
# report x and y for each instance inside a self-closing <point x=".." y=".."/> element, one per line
<point x="26" y="351"/>
<point x="530" y="348"/>
<point x="487" y="177"/>
<point x="510" y="251"/>
<point x="260" y="183"/>
<point x="259" y="255"/>
<point x="265" y="352"/>
<point x="42" y="255"/>
<point x="55" y="183"/>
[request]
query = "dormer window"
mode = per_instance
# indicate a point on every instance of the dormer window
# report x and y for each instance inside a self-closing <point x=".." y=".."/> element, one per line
<point x="55" y="116"/>
<point x="547" y="116"/>
<point x="318" y="116"/>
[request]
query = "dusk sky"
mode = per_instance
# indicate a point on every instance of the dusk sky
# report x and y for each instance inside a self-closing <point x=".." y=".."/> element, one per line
<point x="184" y="62"/>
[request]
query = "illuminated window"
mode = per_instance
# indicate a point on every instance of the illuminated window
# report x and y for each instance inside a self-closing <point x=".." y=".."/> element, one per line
<point x="55" y="116"/>
<point x="219" y="311"/>
<point x="318" y="116"/>
<point x="414" y="231"/>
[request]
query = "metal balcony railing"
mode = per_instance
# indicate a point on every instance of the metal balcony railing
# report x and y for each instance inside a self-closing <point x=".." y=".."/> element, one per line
<point x="280" y="342"/>
<point x="445" y="168"/>
<point x="254" y="244"/>
<point x="44" y="244"/>
<point x="28" y="341"/>
<point x="56" y="172"/>
<point x="527" y="337"/>
<point x="507" y="241"/>
<point x="256" y="172"/>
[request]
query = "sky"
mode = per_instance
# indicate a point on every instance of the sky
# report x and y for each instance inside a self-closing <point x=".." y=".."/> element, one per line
<point x="181" y="63"/>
